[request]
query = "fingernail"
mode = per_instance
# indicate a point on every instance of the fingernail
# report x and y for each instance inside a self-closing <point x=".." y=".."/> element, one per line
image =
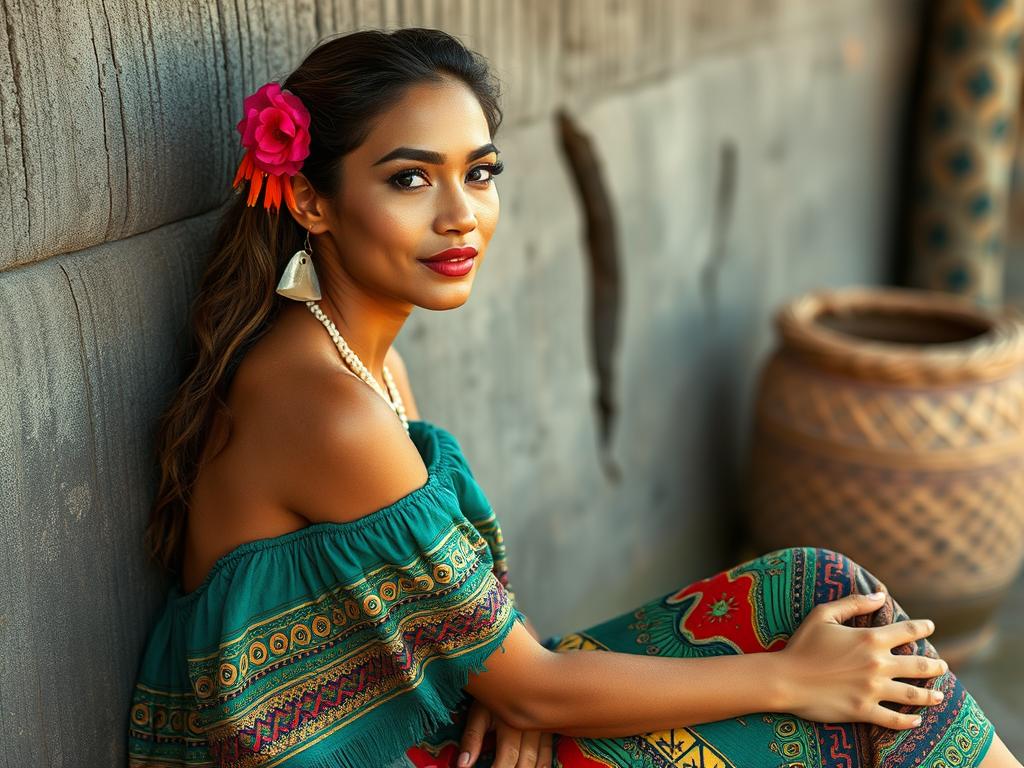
<point x="876" y="595"/>
<point x="464" y="759"/>
<point x="917" y="721"/>
<point x="939" y="695"/>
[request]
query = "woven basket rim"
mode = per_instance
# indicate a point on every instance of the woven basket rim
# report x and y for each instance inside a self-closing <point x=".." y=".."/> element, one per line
<point x="994" y="352"/>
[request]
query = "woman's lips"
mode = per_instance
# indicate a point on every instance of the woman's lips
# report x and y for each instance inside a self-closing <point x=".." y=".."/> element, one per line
<point x="451" y="268"/>
<point x="453" y="253"/>
<point x="453" y="262"/>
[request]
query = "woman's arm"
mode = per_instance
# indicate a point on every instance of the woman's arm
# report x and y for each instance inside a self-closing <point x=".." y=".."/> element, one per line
<point x="829" y="672"/>
<point x="606" y="694"/>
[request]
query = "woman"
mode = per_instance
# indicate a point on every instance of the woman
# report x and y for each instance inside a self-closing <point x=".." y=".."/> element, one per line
<point x="340" y="576"/>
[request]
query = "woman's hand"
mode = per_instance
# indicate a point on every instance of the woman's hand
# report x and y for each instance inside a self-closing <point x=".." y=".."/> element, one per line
<point x="514" y="748"/>
<point x="834" y="673"/>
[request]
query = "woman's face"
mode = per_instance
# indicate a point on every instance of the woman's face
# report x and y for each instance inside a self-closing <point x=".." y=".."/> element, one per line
<point x="420" y="184"/>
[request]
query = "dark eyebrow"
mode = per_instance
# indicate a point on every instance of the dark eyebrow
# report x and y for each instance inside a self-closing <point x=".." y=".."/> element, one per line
<point x="433" y="158"/>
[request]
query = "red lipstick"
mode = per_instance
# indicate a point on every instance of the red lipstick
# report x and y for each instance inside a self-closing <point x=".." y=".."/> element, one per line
<point x="453" y="262"/>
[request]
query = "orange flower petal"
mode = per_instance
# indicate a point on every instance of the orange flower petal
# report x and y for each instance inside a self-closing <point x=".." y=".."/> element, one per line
<point x="254" y="187"/>
<point x="281" y="181"/>
<point x="245" y="169"/>
<point x="268" y="192"/>
<point x="240" y="173"/>
<point x="272" y="196"/>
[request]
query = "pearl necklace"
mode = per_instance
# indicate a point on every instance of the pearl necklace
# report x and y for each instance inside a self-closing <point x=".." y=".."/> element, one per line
<point x="356" y="365"/>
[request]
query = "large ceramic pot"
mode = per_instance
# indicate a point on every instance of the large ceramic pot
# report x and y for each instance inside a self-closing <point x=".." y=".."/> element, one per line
<point x="890" y="426"/>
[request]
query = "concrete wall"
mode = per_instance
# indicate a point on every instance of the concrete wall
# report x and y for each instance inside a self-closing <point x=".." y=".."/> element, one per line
<point x="748" y="149"/>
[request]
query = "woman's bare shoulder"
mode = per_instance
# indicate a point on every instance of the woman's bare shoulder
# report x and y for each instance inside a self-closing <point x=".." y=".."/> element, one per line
<point x="330" y="447"/>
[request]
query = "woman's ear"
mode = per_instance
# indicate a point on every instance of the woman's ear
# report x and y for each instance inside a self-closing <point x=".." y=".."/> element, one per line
<point x="308" y="208"/>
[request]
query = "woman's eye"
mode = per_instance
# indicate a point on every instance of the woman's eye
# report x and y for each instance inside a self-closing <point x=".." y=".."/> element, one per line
<point x="404" y="179"/>
<point x="397" y="178"/>
<point x="492" y="169"/>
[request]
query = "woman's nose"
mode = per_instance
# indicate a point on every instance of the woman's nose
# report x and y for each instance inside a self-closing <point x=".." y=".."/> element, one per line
<point x="457" y="213"/>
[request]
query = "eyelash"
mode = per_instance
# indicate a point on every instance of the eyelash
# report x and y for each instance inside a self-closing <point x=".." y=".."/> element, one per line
<point x="493" y="168"/>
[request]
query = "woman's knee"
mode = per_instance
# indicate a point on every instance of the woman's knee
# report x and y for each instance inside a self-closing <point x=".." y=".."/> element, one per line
<point x="814" y="575"/>
<point x="834" y="573"/>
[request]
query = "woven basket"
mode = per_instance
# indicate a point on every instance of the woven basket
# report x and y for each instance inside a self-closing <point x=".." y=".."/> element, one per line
<point x="890" y="426"/>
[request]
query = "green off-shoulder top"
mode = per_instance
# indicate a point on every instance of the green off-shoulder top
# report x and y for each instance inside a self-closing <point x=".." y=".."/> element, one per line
<point x="338" y="644"/>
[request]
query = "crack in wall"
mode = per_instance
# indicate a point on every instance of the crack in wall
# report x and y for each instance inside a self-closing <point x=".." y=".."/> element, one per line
<point x="124" y="132"/>
<point x="603" y="268"/>
<point x="103" y="118"/>
<point x="16" y="72"/>
<point x="725" y="202"/>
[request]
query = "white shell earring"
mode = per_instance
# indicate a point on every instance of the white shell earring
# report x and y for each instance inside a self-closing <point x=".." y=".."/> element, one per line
<point x="299" y="280"/>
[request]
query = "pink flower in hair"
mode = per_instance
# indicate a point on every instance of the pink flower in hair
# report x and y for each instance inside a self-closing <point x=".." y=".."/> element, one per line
<point x="275" y="133"/>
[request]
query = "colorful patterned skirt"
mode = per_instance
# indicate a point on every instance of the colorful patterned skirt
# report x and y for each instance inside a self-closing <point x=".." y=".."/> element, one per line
<point x="752" y="608"/>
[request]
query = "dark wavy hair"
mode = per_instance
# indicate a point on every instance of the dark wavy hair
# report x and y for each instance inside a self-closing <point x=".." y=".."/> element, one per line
<point x="345" y="83"/>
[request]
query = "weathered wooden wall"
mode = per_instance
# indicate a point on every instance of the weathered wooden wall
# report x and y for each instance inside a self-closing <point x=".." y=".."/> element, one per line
<point x="748" y="148"/>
